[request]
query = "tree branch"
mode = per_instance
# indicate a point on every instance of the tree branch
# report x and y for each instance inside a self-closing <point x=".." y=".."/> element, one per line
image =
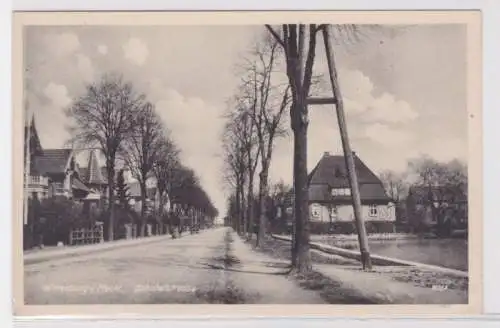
<point x="275" y="35"/>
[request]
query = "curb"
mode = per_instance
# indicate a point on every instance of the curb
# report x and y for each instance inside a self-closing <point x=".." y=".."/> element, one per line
<point x="379" y="260"/>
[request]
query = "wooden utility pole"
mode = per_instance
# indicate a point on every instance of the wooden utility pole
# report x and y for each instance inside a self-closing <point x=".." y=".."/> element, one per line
<point x="348" y="154"/>
<point x="299" y="71"/>
<point x="300" y="80"/>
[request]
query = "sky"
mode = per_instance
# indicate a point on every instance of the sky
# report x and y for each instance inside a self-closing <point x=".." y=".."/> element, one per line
<point x="404" y="89"/>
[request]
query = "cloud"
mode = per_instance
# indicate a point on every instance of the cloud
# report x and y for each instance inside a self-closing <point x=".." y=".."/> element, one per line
<point x="136" y="51"/>
<point x="63" y="44"/>
<point x="387" y="108"/>
<point x="194" y="123"/>
<point x="102" y="49"/>
<point x="387" y="136"/>
<point x="195" y="126"/>
<point x="448" y="149"/>
<point x="360" y="99"/>
<point x="57" y="95"/>
<point x="85" y="67"/>
<point x="356" y="87"/>
<point x="50" y="116"/>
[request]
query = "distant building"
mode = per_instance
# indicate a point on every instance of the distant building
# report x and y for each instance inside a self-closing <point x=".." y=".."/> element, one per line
<point x="153" y="202"/>
<point x="433" y="207"/>
<point x="331" y="208"/>
<point x="152" y="195"/>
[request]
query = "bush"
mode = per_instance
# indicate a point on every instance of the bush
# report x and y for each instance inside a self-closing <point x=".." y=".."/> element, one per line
<point x="55" y="218"/>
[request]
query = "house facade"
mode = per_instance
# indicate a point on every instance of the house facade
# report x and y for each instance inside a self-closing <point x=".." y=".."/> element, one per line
<point x="50" y="172"/>
<point x="330" y="201"/>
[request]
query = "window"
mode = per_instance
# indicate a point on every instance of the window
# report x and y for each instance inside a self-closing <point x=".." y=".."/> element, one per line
<point x="373" y="211"/>
<point x="341" y="192"/>
<point x="333" y="212"/>
<point x="315" y="211"/>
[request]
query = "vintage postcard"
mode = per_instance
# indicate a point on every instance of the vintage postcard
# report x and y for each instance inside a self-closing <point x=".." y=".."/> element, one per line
<point x="247" y="163"/>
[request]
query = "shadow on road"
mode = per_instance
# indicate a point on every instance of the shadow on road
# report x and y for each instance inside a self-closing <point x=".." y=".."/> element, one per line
<point x="226" y="292"/>
<point x="229" y="262"/>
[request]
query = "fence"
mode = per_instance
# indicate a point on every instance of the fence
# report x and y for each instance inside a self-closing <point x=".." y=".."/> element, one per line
<point x="85" y="236"/>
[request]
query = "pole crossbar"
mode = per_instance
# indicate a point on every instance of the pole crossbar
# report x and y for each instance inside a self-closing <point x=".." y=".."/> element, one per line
<point x="321" y="101"/>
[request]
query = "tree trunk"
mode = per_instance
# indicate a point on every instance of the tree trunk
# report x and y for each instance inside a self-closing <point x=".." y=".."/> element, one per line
<point x="238" y="209"/>
<point x="160" y="214"/>
<point x="299" y="121"/>
<point x="143" y="208"/>
<point x="111" y="199"/>
<point x="250" y="209"/>
<point x="263" y="193"/>
<point x="242" y="211"/>
<point x="303" y="257"/>
<point x="294" y="214"/>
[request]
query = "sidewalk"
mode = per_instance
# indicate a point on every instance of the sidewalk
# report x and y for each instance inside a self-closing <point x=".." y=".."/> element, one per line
<point x="264" y="279"/>
<point x="384" y="290"/>
<point x="55" y="253"/>
<point x="347" y="283"/>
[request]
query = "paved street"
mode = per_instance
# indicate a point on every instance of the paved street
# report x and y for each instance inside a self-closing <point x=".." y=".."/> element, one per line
<point x="214" y="266"/>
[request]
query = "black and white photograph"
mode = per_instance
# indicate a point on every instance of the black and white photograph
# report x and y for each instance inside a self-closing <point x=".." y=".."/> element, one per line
<point x="238" y="162"/>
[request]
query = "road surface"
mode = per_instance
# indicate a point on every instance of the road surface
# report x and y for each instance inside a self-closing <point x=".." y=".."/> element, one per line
<point x="214" y="266"/>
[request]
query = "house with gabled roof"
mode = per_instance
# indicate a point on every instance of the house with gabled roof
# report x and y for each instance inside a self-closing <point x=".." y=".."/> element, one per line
<point x="94" y="176"/>
<point x="330" y="197"/>
<point x="52" y="172"/>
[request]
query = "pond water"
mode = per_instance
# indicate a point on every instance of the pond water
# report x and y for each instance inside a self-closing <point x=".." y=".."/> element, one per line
<point x="450" y="253"/>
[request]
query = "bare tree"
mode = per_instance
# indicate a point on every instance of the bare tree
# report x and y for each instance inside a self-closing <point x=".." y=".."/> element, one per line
<point x="395" y="185"/>
<point x="103" y="118"/>
<point x="236" y="170"/>
<point x="164" y="168"/>
<point x="184" y="179"/>
<point x="241" y="131"/>
<point x="142" y="150"/>
<point x="265" y="92"/>
<point x="449" y="177"/>
<point x="299" y="68"/>
<point x="445" y="183"/>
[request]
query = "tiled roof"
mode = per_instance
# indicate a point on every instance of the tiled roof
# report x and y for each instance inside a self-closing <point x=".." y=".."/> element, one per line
<point x="94" y="171"/>
<point x="83" y="173"/>
<point x="77" y="184"/>
<point x="331" y="169"/>
<point x="52" y="161"/>
<point x="331" y="172"/>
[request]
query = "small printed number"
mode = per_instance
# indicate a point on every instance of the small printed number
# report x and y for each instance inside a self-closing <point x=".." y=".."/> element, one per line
<point x="439" y="287"/>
